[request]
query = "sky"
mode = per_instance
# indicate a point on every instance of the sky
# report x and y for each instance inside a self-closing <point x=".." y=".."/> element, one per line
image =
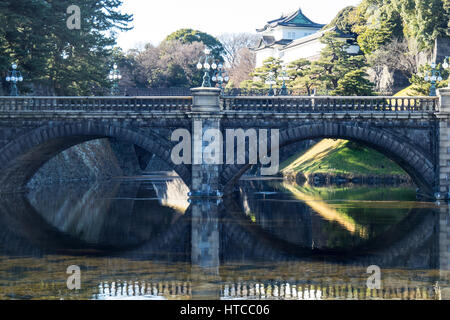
<point x="154" y="20"/>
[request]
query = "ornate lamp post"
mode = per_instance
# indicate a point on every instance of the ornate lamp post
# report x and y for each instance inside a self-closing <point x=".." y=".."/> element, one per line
<point x="114" y="77"/>
<point x="284" y="77"/>
<point x="14" y="76"/>
<point x="446" y="65"/>
<point x="432" y="77"/>
<point x="219" y="77"/>
<point x="207" y="65"/>
<point x="271" y="81"/>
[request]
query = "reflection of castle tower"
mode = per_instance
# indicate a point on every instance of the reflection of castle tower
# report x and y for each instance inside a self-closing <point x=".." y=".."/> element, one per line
<point x="291" y="37"/>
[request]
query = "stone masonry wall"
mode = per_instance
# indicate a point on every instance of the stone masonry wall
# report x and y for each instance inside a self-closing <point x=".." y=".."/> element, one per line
<point x="89" y="161"/>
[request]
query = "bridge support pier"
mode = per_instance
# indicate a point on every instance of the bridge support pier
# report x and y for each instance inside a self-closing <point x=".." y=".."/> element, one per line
<point x="205" y="251"/>
<point x="443" y="178"/>
<point x="206" y="164"/>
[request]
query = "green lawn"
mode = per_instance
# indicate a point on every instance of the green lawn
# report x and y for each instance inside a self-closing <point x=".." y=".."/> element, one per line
<point x="341" y="157"/>
<point x="406" y="92"/>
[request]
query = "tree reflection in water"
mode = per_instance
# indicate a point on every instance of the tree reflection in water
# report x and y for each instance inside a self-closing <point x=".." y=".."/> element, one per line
<point x="142" y="239"/>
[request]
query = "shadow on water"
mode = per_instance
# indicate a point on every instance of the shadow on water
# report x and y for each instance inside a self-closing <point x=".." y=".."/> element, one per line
<point x="141" y="237"/>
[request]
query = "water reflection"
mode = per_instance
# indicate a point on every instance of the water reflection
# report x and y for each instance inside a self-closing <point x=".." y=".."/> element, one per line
<point x="141" y="238"/>
<point x="318" y="218"/>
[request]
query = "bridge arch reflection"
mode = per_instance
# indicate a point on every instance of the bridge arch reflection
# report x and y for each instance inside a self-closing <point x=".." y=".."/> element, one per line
<point x="211" y="238"/>
<point x="92" y="219"/>
<point x="223" y="227"/>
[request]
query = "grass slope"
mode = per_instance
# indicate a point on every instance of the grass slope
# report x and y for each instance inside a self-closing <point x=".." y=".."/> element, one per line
<point x="344" y="157"/>
<point x="341" y="157"/>
<point x="408" y="91"/>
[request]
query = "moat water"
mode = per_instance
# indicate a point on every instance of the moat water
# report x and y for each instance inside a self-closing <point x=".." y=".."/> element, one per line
<point x="141" y="238"/>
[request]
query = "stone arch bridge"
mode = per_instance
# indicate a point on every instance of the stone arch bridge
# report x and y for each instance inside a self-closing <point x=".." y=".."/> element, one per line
<point x="412" y="131"/>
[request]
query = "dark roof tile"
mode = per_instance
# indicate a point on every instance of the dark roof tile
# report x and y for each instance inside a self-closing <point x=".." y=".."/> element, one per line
<point x="295" y="19"/>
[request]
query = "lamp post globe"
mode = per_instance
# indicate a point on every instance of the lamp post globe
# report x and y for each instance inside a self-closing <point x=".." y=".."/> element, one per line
<point x="446" y="65"/>
<point x="271" y="81"/>
<point x="433" y="76"/>
<point x="114" y="76"/>
<point x="220" y="77"/>
<point x="284" y="77"/>
<point x="14" y="76"/>
<point x="207" y="64"/>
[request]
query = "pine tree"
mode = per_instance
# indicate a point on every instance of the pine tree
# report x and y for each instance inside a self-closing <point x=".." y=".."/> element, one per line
<point x="354" y="82"/>
<point x="303" y="79"/>
<point x="271" y="67"/>
<point x="71" y="62"/>
<point x="340" y="71"/>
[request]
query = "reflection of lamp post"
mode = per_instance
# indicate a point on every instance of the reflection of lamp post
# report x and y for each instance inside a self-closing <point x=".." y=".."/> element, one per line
<point x="220" y="77"/>
<point x="432" y="77"/>
<point x="207" y="66"/>
<point x="271" y="81"/>
<point x="446" y="65"/>
<point x="14" y="76"/>
<point x="285" y="78"/>
<point x="114" y="77"/>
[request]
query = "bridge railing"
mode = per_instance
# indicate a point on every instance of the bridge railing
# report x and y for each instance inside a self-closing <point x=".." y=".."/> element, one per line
<point x="296" y="104"/>
<point x="96" y="104"/>
<point x="331" y="104"/>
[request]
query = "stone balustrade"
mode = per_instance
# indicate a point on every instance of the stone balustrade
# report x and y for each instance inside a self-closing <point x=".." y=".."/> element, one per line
<point x="331" y="104"/>
<point x="95" y="104"/>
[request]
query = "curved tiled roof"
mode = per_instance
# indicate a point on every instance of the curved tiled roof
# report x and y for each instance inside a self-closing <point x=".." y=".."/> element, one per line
<point x="295" y="19"/>
<point x="269" y="41"/>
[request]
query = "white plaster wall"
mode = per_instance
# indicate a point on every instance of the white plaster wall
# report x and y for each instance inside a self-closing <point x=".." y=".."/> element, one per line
<point x="263" y="55"/>
<point x="299" y="32"/>
<point x="306" y="50"/>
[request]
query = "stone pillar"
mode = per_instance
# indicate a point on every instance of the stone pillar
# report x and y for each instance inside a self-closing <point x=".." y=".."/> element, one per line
<point x="444" y="188"/>
<point x="444" y="251"/>
<point x="205" y="116"/>
<point x="443" y="115"/>
<point x="205" y="246"/>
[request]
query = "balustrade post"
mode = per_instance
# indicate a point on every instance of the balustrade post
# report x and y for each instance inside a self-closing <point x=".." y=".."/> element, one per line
<point x="443" y="152"/>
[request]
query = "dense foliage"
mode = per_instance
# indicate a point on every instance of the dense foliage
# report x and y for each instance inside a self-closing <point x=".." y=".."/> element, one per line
<point x="378" y="21"/>
<point x="52" y="57"/>
<point x="171" y="64"/>
<point x="186" y="36"/>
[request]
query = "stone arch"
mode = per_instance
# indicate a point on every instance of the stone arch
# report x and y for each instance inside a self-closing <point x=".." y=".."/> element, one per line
<point x="23" y="156"/>
<point x="407" y="156"/>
